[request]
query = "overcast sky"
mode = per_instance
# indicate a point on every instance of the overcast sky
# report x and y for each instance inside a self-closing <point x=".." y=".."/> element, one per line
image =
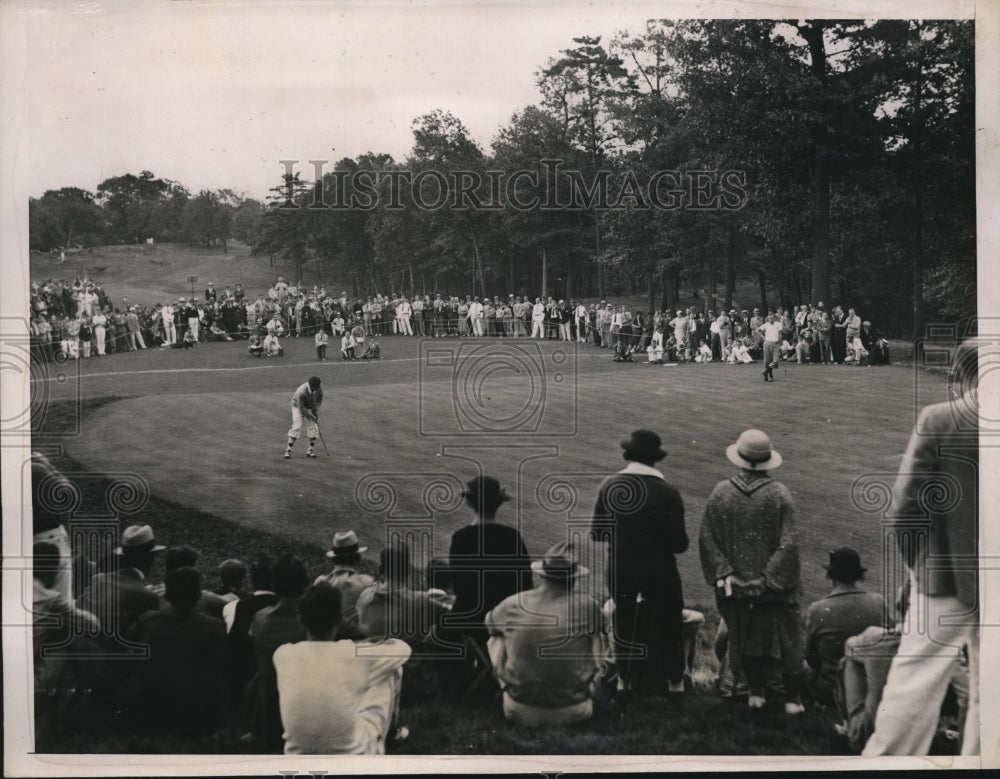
<point x="213" y="94"/>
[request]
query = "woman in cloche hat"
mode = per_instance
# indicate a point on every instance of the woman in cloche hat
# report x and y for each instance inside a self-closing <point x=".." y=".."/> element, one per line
<point x="750" y="556"/>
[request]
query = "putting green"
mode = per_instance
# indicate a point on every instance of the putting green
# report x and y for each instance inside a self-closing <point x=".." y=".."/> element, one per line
<point x="400" y="453"/>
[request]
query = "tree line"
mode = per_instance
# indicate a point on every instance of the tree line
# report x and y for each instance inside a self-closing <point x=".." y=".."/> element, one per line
<point x="853" y="142"/>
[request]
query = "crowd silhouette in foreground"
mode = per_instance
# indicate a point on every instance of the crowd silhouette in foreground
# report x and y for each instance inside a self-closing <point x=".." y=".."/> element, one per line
<point x="332" y="665"/>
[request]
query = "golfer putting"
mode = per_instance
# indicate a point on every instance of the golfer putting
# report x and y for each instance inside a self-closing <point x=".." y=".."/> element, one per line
<point x="305" y="407"/>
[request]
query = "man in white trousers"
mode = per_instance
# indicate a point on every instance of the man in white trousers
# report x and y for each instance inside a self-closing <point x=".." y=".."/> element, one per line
<point x="940" y="543"/>
<point x="538" y="319"/>
<point x="305" y="407"/>
<point x="403" y="314"/>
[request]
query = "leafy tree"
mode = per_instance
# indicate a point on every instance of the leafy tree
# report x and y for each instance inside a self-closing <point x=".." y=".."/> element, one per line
<point x="62" y="217"/>
<point x="131" y="201"/>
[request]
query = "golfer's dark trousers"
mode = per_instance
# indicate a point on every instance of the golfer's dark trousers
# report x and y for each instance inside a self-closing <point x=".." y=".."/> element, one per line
<point x="649" y="648"/>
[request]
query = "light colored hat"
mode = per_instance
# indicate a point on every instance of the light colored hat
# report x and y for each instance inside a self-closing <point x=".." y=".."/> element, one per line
<point x="345" y="544"/>
<point x="137" y="539"/>
<point x="558" y="564"/>
<point x="753" y="451"/>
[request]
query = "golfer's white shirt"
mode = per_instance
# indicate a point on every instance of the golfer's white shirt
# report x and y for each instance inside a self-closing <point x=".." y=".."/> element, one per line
<point x="772" y="331"/>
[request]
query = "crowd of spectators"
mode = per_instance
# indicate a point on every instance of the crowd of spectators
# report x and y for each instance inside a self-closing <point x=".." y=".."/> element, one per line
<point x="79" y="320"/>
<point x="332" y="666"/>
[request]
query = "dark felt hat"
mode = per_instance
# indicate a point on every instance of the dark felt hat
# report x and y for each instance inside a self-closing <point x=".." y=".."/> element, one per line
<point x="845" y="564"/>
<point x="644" y="444"/>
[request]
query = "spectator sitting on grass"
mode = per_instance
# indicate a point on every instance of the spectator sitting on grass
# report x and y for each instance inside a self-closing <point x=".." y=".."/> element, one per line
<point x="336" y="697"/>
<point x="348" y="345"/>
<point x="273" y="626"/>
<point x="238" y="616"/>
<point x="63" y="678"/>
<point x="831" y="620"/>
<point x="256" y="345"/>
<point x="393" y="609"/>
<point x="862" y="676"/>
<point x="272" y="346"/>
<point x="181" y="687"/>
<point x="118" y="599"/>
<point x="549" y="646"/>
<point x="232" y="573"/>
<point x="346" y="576"/>
<point x="209" y="603"/>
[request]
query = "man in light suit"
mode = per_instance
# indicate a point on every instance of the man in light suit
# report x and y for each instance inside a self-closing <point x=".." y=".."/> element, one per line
<point x="940" y="541"/>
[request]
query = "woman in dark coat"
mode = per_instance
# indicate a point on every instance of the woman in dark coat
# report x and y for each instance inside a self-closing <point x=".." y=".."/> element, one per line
<point x="487" y="562"/>
<point x="641" y="517"/>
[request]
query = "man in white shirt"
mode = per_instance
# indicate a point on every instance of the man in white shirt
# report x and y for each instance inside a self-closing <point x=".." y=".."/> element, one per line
<point x="403" y="314"/>
<point x="336" y="696"/>
<point x="581" y="323"/>
<point x="538" y="319"/>
<point x="770" y="331"/>
<point x="680" y="325"/>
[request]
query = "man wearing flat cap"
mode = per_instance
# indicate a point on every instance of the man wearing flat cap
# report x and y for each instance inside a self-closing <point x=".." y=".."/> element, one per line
<point x="548" y="645"/>
<point x="118" y="599"/>
<point x="641" y="517"/>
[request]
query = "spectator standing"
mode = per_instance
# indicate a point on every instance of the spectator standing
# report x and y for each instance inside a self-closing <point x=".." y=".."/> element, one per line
<point x="644" y="532"/>
<point x="749" y="554"/>
<point x="943" y="454"/>
<point x="488" y="561"/>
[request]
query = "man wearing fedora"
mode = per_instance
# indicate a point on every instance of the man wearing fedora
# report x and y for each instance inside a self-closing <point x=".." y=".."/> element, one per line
<point x="118" y="599"/>
<point x="831" y="620"/>
<point x="641" y="517"/>
<point x="749" y="554"/>
<point x="549" y="646"/>
<point x="347" y="577"/>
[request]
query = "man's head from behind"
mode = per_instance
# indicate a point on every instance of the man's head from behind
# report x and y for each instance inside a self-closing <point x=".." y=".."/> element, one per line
<point x="320" y="609"/>
<point x="178" y="556"/>
<point x="261" y="573"/>
<point x="289" y="577"/>
<point x="183" y="587"/>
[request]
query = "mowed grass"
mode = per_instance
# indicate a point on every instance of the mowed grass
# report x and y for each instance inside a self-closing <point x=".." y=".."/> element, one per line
<point x="206" y="428"/>
<point x="154" y="273"/>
